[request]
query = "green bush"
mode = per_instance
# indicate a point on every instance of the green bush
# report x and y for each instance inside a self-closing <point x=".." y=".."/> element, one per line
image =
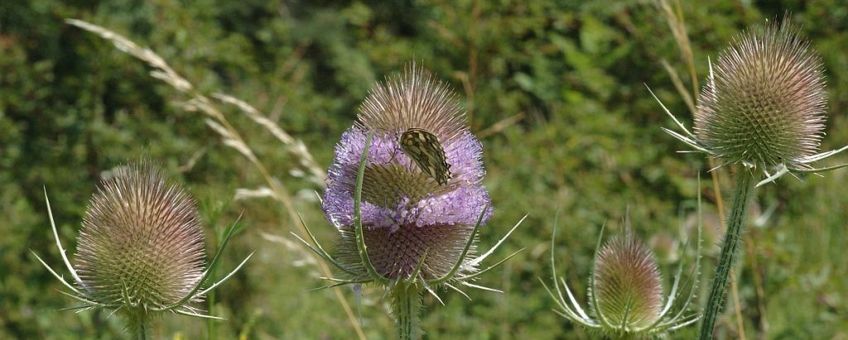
<point x="585" y="141"/>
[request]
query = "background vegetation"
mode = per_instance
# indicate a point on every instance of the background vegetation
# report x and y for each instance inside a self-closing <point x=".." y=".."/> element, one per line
<point x="555" y="89"/>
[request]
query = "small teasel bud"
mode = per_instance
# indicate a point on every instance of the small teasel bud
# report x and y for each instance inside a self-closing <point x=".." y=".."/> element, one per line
<point x="141" y="249"/>
<point x="625" y="291"/>
<point x="627" y="283"/>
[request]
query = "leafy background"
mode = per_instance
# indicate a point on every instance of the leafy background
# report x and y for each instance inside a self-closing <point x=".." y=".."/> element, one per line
<point x="555" y="89"/>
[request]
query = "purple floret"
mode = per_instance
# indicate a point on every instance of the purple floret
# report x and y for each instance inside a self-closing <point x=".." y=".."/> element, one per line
<point x="460" y="206"/>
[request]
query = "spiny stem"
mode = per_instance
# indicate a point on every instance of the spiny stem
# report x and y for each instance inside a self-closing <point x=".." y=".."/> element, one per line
<point x="406" y="302"/>
<point x="732" y="239"/>
<point x="138" y="323"/>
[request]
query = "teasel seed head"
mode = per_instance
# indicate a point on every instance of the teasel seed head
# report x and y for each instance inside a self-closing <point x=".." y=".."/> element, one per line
<point x="765" y="103"/>
<point x="140" y="251"/>
<point x="405" y="192"/>
<point x="141" y="241"/>
<point x="406" y="212"/>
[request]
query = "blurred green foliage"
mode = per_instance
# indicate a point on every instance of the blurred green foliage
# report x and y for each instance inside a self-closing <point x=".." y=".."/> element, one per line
<point x="585" y="142"/>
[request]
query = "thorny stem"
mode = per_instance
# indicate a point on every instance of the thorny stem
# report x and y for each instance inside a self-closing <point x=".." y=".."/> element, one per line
<point x="674" y="16"/>
<point x="138" y="323"/>
<point x="406" y="304"/>
<point x="732" y="239"/>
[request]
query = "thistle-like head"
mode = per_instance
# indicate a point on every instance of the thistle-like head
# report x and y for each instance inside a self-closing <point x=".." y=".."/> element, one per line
<point x="421" y="186"/>
<point x="140" y="249"/>
<point x="627" y="285"/>
<point x="141" y="242"/>
<point x="405" y="187"/>
<point x="625" y="292"/>
<point x="764" y="104"/>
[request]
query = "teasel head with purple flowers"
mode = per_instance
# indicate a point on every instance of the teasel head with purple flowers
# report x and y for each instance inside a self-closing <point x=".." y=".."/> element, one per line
<point x="625" y="291"/>
<point x="141" y="250"/>
<point x="764" y="105"/>
<point x="405" y="193"/>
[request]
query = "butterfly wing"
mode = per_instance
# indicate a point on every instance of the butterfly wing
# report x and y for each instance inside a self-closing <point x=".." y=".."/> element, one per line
<point x="424" y="148"/>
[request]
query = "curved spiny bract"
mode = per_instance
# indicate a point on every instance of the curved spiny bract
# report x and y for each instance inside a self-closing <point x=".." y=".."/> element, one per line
<point x="625" y="292"/>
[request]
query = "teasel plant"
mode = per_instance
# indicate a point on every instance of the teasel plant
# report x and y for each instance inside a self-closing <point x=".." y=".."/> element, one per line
<point x="762" y="112"/>
<point x="625" y="292"/>
<point x="405" y="194"/>
<point x="140" y="253"/>
<point x="213" y="109"/>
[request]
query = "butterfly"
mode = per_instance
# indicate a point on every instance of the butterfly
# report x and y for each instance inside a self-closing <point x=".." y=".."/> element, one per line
<point x="424" y="148"/>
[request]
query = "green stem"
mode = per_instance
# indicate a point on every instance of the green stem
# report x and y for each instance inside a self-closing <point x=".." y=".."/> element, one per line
<point x="138" y="324"/>
<point x="406" y="302"/>
<point x="732" y="240"/>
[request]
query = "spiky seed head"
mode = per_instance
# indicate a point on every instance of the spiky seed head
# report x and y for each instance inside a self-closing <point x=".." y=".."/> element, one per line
<point x="408" y="207"/>
<point x="765" y="104"/>
<point x="413" y="99"/>
<point x="141" y="243"/>
<point x="627" y="282"/>
<point x="397" y="254"/>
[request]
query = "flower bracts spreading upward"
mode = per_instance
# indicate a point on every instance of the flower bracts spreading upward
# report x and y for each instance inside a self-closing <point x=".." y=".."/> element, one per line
<point x="405" y="192"/>
<point x="625" y="292"/>
<point x="628" y="287"/>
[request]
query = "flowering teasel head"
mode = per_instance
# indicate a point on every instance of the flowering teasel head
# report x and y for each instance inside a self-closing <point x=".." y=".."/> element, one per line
<point x="140" y="249"/>
<point x="405" y="190"/>
<point x="764" y="105"/>
<point x="625" y="291"/>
